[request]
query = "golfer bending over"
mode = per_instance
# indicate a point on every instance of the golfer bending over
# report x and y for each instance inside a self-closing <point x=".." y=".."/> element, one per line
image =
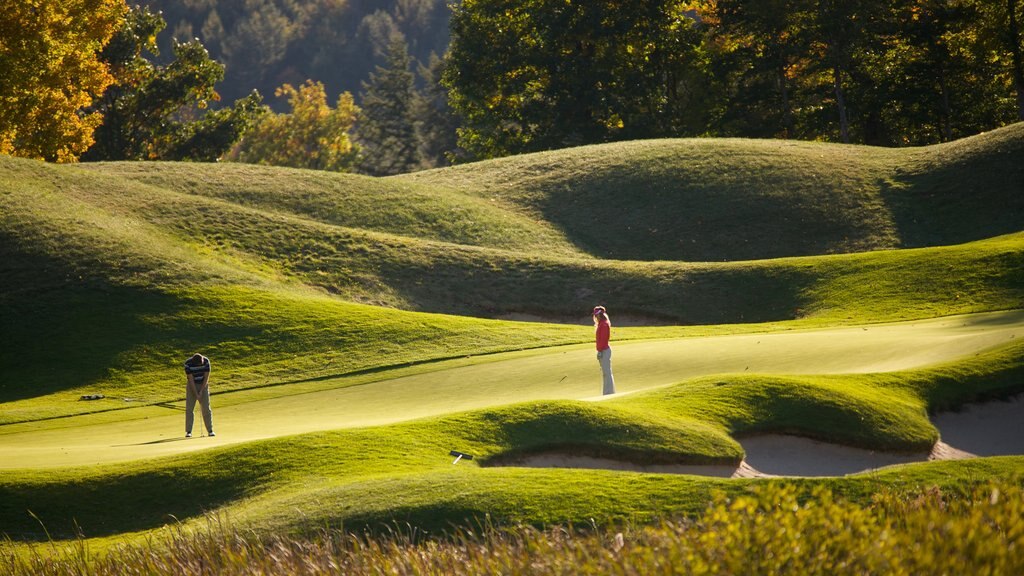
<point x="603" y="330"/>
<point x="197" y="370"/>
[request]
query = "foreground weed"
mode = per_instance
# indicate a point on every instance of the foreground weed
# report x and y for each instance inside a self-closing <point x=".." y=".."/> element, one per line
<point x="772" y="530"/>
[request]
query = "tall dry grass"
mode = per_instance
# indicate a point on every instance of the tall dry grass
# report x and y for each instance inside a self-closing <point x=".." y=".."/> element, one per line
<point x="772" y="530"/>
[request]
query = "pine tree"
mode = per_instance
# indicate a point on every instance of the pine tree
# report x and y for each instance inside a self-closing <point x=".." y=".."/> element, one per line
<point x="385" y="129"/>
<point x="435" y="121"/>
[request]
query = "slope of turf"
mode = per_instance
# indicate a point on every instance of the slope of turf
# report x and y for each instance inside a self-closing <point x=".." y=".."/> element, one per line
<point x="405" y="209"/>
<point x="123" y="278"/>
<point x="110" y="274"/>
<point x="429" y="275"/>
<point x="734" y="199"/>
<point x="370" y="475"/>
<point x="149" y="430"/>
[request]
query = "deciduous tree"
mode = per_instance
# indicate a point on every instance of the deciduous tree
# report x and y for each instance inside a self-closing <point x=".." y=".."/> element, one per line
<point x="161" y="111"/>
<point x="540" y="74"/>
<point x="312" y="135"/>
<point x="50" y="71"/>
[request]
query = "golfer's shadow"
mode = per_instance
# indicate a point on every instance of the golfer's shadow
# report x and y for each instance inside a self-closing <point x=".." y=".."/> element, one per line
<point x="164" y="441"/>
<point x="169" y="406"/>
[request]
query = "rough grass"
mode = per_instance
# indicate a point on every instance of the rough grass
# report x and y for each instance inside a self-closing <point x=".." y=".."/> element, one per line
<point x="113" y="273"/>
<point x="368" y="476"/>
<point x="734" y="199"/>
<point x="776" y="529"/>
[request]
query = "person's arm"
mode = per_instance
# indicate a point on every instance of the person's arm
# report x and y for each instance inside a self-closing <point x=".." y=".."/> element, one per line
<point x="206" y="381"/>
<point x="192" y="383"/>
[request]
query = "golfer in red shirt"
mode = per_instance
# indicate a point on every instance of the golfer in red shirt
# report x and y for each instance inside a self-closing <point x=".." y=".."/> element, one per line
<point x="603" y="330"/>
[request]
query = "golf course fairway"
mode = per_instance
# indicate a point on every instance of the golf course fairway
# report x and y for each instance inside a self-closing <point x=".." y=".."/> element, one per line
<point x="567" y="372"/>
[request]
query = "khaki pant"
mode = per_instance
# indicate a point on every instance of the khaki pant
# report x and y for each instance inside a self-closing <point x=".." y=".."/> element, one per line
<point x="190" y="406"/>
<point x="605" y="358"/>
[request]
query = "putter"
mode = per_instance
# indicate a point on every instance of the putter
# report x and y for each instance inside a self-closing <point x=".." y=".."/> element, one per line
<point x="459" y="456"/>
<point x="202" y="417"/>
<point x="192" y="387"/>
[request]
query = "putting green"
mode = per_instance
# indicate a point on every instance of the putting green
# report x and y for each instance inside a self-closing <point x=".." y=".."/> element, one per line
<point x="556" y="373"/>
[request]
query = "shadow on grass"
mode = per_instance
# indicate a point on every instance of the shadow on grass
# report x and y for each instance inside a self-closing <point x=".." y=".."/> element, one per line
<point x="961" y="197"/>
<point x="69" y="333"/>
<point x="1008" y="318"/>
<point x="151" y="442"/>
<point x="104" y="504"/>
<point x="702" y="294"/>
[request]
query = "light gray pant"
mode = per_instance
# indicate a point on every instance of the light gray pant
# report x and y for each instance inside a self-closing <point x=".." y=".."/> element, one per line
<point x="605" y="358"/>
<point x="190" y="406"/>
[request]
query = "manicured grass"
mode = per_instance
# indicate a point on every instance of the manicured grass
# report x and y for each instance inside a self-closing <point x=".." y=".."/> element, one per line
<point x="310" y="290"/>
<point x="148" y="430"/>
<point x="734" y="199"/>
<point x="403" y="471"/>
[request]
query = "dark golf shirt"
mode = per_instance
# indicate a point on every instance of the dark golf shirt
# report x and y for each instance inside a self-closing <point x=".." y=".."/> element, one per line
<point x="199" y="373"/>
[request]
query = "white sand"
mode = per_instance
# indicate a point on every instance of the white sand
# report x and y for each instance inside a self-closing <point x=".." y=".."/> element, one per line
<point x="987" y="429"/>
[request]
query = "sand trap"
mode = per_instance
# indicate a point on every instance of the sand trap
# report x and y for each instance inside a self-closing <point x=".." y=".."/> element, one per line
<point x="987" y="429"/>
<point x="559" y="460"/>
<point x="621" y="319"/>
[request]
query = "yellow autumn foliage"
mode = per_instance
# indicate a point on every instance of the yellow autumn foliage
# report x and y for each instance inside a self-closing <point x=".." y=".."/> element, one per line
<point x="51" y="70"/>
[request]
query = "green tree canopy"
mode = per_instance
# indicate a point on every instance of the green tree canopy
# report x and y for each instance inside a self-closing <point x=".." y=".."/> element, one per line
<point x="160" y="111"/>
<point x="435" y="121"/>
<point x="50" y="70"/>
<point x="882" y="72"/>
<point x="385" y="129"/>
<point x="541" y="74"/>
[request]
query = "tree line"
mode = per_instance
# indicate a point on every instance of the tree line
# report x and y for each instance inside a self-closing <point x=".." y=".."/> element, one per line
<point x="538" y="74"/>
<point x="264" y="44"/>
<point x="88" y="80"/>
<point x="95" y="80"/>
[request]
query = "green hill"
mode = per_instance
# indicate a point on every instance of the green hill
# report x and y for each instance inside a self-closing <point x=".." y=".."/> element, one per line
<point x="123" y="268"/>
<point x="296" y="282"/>
<point x="509" y="236"/>
<point x="731" y="199"/>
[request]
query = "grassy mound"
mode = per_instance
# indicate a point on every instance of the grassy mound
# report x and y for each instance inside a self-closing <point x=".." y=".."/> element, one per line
<point x="408" y="209"/>
<point x="122" y="228"/>
<point x="123" y="269"/>
<point x="115" y="272"/>
<point x="367" y="476"/>
<point x="734" y="199"/>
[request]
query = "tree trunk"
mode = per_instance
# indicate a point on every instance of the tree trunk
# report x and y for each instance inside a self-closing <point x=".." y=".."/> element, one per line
<point x="844" y="123"/>
<point x="1015" y="53"/>
<point x="787" y="112"/>
<point x="946" y="120"/>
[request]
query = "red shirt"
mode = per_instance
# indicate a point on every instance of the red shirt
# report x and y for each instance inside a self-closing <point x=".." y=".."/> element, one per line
<point x="604" y="330"/>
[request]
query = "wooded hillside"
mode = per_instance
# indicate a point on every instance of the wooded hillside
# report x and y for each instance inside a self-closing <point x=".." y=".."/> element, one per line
<point x="266" y="43"/>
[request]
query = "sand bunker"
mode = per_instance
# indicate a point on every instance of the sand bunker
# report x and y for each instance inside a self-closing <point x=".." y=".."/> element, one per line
<point x="621" y="319"/>
<point x="988" y="429"/>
